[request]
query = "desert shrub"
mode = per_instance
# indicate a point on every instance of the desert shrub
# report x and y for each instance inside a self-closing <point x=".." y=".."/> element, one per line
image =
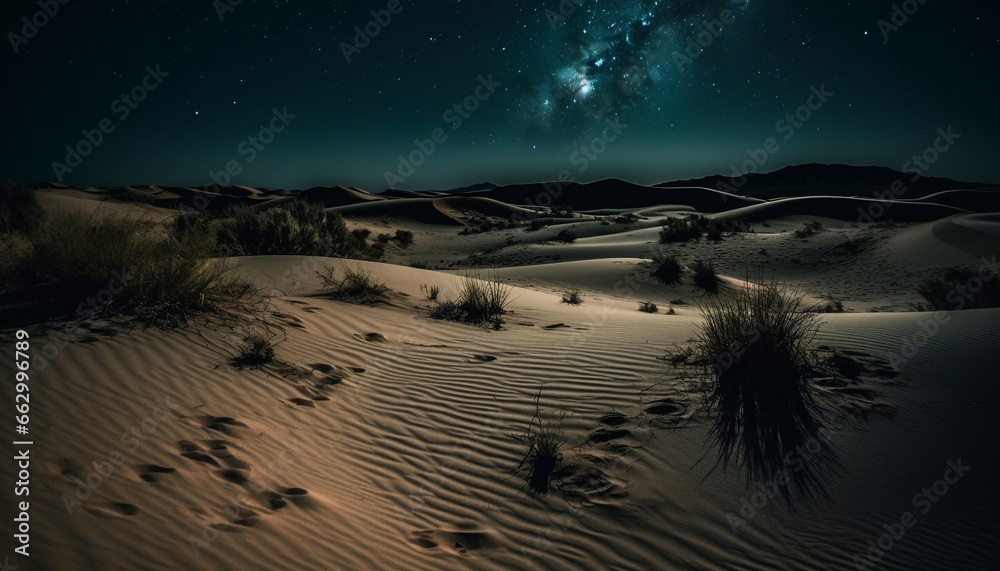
<point x="479" y="302"/>
<point x="432" y="291"/>
<point x="625" y="219"/>
<point x="420" y="265"/>
<point x="648" y="307"/>
<point x="255" y="352"/>
<point x="383" y="238"/>
<point x="357" y="286"/>
<point x="668" y="270"/>
<point x="572" y="297"/>
<point x="566" y="236"/>
<point x="714" y="233"/>
<point x="163" y="279"/>
<point x="705" y="276"/>
<point x="959" y="289"/>
<point x="19" y="208"/>
<point x="543" y="459"/>
<point x="755" y="348"/>
<point x="404" y="238"/>
<point x="809" y="229"/>
<point x="292" y="227"/>
<point x="679" y="230"/>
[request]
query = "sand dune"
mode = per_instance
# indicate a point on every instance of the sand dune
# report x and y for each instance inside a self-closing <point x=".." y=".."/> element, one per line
<point x="384" y="439"/>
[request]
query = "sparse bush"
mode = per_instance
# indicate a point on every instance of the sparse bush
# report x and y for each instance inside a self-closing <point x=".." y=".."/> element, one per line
<point x="959" y="289"/>
<point x="479" y="302"/>
<point x="566" y="236"/>
<point x="755" y="348"/>
<point x="404" y="238"/>
<point x="625" y="219"/>
<point x="290" y="227"/>
<point x="809" y="229"/>
<point x="572" y="297"/>
<point x="419" y="264"/>
<point x="432" y="292"/>
<point x="679" y="230"/>
<point x="543" y="459"/>
<point x="668" y="271"/>
<point x="383" y="238"/>
<point x="255" y="352"/>
<point x="357" y="286"/>
<point x="705" y="276"/>
<point x="166" y="279"/>
<point x="648" y="307"/>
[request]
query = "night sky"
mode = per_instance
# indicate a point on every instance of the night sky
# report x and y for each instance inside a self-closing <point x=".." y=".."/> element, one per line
<point x="622" y="79"/>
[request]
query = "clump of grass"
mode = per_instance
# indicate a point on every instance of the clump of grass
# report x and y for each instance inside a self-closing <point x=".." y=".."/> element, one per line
<point x="705" y="276"/>
<point x="648" y="307"/>
<point x="668" y="271"/>
<point x="293" y="227"/>
<point x="679" y="230"/>
<point x="561" y="211"/>
<point x="432" y="291"/>
<point x="566" y="236"/>
<point x="959" y="289"/>
<point x="164" y="279"/>
<point x="755" y="348"/>
<point x="694" y="226"/>
<point x="832" y="306"/>
<point x="479" y="302"/>
<point x="809" y="229"/>
<point x="255" y="352"/>
<point x="383" y="238"/>
<point x="357" y="286"/>
<point x="404" y="238"/>
<point x="419" y="264"/>
<point x="572" y="297"/>
<point x="543" y="459"/>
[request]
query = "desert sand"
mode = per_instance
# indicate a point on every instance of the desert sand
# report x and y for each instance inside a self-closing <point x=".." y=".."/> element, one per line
<point x="384" y="439"/>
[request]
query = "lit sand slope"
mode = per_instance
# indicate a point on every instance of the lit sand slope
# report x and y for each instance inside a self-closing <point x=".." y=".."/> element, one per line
<point x="385" y="442"/>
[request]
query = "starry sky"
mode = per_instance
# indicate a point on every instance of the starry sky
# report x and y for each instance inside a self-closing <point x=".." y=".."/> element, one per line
<point x="441" y="94"/>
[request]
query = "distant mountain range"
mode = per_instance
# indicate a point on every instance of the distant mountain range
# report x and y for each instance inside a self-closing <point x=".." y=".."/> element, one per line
<point x="833" y="180"/>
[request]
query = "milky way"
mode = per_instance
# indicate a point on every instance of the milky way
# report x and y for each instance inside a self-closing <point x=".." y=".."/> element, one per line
<point x="614" y="60"/>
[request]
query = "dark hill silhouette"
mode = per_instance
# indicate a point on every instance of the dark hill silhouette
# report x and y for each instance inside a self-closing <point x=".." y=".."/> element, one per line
<point x="830" y="180"/>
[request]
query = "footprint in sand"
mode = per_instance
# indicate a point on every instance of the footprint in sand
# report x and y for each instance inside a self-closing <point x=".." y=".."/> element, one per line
<point x="234" y="476"/>
<point x="302" y="402"/>
<point x="371" y="337"/>
<point x="484" y="358"/>
<point x="151" y="472"/>
<point x="192" y="451"/>
<point x="602" y="435"/>
<point x="556" y="326"/>
<point x="462" y="542"/>
<point x="224" y="424"/>
<point x="236" y="518"/>
<point x="113" y="510"/>
<point x="613" y="419"/>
